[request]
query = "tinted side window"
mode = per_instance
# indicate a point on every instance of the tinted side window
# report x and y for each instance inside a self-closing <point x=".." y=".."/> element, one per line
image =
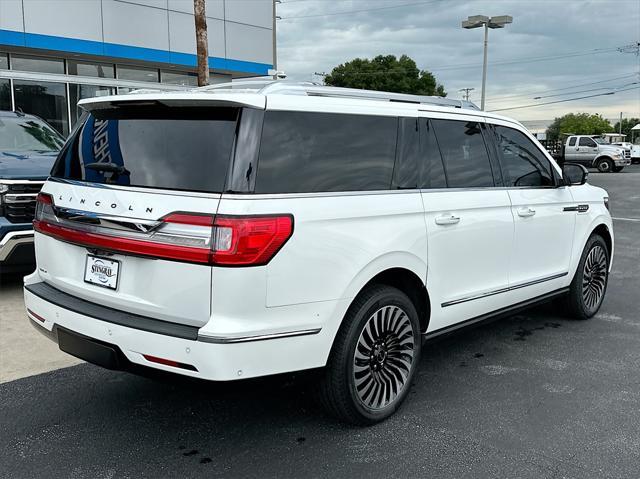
<point x="405" y="174"/>
<point x="305" y="152"/>
<point x="584" y="141"/>
<point x="432" y="172"/>
<point x="572" y="141"/>
<point x="523" y="163"/>
<point x="465" y="156"/>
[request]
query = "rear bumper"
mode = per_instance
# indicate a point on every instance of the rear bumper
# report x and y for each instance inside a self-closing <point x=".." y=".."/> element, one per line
<point x="91" y="334"/>
<point x="16" y="248"/>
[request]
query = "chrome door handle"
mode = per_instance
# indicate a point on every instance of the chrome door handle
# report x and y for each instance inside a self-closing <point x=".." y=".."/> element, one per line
<point x="527" y="211"/>
<point x="447" y="220"/>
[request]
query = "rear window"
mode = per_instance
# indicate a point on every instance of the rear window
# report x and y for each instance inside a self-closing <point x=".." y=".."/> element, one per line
<point x="159" y="147"/>
<point x="325" y="152"/>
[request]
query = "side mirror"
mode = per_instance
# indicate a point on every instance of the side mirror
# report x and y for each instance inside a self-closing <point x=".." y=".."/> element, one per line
<point x="574" y="174"/>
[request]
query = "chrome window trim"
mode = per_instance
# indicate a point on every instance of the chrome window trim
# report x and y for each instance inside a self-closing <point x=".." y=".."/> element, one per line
<point x="328" y="194"/>
<point x="502" y="290"/>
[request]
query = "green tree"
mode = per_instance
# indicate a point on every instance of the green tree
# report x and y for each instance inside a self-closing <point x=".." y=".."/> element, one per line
<point x="385" y="73"/>
<point x="627" y="124"/>
<point x="578" y="124"/>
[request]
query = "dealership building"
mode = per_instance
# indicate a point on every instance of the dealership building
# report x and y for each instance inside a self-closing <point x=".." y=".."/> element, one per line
<point x="54" y="53"/>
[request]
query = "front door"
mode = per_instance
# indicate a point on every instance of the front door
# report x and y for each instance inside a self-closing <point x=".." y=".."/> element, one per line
<point x="543" y="222"/>
<point x="587" y="150"/>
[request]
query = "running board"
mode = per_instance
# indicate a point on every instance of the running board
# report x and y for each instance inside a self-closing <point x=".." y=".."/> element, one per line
<point x="494" y="315"/>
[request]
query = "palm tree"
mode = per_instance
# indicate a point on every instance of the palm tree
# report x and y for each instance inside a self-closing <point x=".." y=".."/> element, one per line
<point x="202" y="45"/>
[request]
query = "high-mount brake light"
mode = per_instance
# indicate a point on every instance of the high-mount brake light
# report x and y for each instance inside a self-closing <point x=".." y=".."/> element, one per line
<point x="189" y="237"/>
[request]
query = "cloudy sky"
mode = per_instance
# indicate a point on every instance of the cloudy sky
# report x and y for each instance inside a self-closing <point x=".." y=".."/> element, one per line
<point x="557" y="49"/>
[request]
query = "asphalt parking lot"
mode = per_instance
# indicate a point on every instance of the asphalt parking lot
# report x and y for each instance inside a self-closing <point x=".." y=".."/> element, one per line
<point x="535" y="395"/>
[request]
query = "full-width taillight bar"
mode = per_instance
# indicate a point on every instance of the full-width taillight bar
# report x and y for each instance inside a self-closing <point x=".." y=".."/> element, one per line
<point x="191" y="237"/>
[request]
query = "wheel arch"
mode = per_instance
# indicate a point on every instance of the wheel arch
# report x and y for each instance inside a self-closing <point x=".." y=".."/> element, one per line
<point x="402" y="270"/>
<point x="603" y="230"/>
<point x="601" y="157"/>
<point x="601" y="226"/>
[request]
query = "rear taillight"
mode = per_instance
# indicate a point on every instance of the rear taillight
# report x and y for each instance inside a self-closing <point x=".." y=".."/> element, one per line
<point x="44" y="206"/>
<point x="249" y="240"/>
<point x="189" y="237"/>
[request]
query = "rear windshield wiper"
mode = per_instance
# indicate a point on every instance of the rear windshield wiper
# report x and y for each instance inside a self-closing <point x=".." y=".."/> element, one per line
<point x="108" y="167"/>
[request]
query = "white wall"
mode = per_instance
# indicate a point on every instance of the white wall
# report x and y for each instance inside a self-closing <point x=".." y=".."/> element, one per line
<point x="238" y="29"/>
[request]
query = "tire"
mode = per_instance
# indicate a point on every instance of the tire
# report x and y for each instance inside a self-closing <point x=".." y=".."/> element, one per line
<point x="618" y="169"/>
<point x="373" y="359"/>
<point x="589" y="285"/>
<point x="605" y="165"/>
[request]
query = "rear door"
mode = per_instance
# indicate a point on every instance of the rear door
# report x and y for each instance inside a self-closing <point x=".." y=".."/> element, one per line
<point x="571" y="149"/>
<point x="543" y="218"/>
<point x="469" y="223"/>
<point x="132" y="199"/>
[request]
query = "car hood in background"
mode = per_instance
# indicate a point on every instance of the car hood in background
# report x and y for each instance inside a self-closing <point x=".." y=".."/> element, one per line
<point x="26" y="164"/>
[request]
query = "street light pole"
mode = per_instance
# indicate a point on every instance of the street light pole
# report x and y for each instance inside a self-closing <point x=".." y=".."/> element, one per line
<point x="476" y="21"/>
<point x="275" y="45"/>
<point x="484" y="64"/>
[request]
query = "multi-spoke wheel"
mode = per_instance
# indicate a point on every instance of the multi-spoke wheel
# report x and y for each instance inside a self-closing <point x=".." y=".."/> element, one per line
<point x="383" y="357"/>
<point x="594" y="277"/>
<point x="589" y="285"/>
<point x="374" y="357"/>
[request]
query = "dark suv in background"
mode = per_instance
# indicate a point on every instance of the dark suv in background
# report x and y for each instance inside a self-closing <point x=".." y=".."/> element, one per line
<point x="28" y="147"/>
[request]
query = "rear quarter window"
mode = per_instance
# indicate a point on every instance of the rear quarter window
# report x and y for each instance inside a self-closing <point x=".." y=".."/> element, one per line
<point x="303" y="152"/>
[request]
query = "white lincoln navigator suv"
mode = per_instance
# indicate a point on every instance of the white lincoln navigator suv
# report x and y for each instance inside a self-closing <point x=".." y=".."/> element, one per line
<point x="243" y="230"/>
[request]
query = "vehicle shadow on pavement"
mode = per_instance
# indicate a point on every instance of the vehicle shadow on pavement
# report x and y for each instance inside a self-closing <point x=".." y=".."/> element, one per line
<point x="268" y="426"/>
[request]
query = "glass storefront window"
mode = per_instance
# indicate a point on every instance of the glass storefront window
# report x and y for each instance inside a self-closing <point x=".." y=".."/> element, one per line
<point x="4" y="61"/>
<point x="100" y="70"/>
<point x="79" y="92"/>
<point x="179" y="78"/>
<point x="47" y="100"/>
<point x="137" y="74"/>
<point x="5" y="95"/>
<point x="29" y="63"/>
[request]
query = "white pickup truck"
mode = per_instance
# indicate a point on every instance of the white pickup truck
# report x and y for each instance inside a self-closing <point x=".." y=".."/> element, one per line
<point x="635" y="150"/>
<point x="594" y="152"/>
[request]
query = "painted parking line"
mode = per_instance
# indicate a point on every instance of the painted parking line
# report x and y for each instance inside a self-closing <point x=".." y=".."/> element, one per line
<point x="635" y="220"/>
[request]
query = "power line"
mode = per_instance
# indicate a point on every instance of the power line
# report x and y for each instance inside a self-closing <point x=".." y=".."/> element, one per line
<point x="596" y="51"/>
<point x="347" y="12"/>
<point x="533" y="92"/>
<point x="565" y="100"/>
<point x="497" y="63"/>
<point x="585" y="91"/>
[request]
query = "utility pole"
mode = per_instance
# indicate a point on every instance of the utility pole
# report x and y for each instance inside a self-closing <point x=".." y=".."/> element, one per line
<point x="620" y="123"/>
<point x="466" y="92"/>
<point x="202" y="43"/>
